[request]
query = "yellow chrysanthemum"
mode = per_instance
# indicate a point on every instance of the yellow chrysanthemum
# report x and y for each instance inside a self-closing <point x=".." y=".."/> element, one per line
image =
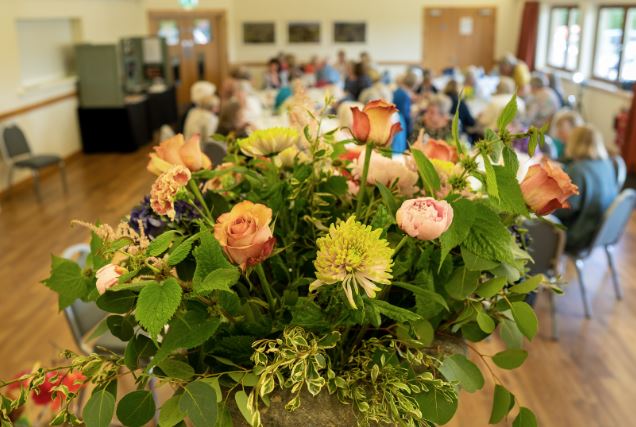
<point x="353" y="254"/>
<point x="268" y="141"/>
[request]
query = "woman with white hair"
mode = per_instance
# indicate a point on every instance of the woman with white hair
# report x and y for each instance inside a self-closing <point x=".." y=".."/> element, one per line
<point x="201" y="118"/>
<point x="505" y="89"/>
<point x="436" y="120"/>
<point x="543" y="102"/>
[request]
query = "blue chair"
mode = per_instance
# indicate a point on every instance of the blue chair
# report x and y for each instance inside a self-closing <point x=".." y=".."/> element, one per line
<point x="215" y="150"/>
<point x="609" y="233"/>
<point x="621" y="171"/>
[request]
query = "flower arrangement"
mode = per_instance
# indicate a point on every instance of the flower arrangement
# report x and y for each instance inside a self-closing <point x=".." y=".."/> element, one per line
<point x="327" y="273"/>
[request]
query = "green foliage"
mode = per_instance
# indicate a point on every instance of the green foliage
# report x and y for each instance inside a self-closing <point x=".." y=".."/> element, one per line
<point x="393" y="312"/>
<point x="170" y="414"/>
<point x="462" y="283"/>
<point x="526" y="318"/>
<point x="427" y="172"/>
<point x="198" y="402"/>
<point x="463" y="219"/>
<point x="157" y="304"/>
<point x="501" y="404"/>
<point x="209" y="257"/>
<point x="510" y="359"/>
<point x="525" y="418"/>
<point x="219" y="280"/>
<point x="161" y="243"/>
<point x="68" y="281"/>
<point x="117" y="302"/>
<point x="99" y="409"/>
<point x="508" y="113"/>
<point x="136" y="408"/>
<point x="488" y="237"/>
<point x="466" y="373"/>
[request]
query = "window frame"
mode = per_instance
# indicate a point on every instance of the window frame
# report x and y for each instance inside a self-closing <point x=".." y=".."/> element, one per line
<point x="568" y="8"/>
<point x="626" y="8"/>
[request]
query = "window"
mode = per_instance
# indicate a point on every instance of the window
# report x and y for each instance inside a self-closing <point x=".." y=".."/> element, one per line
<point x="565" y="37"/>
<point x="615" y="49"/>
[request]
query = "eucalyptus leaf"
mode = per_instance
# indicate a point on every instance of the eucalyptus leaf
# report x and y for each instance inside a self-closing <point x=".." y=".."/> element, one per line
<point x="198" y="402"/>
<point x="99" y="409"/>
<point x="525" y="418"/>
<point x="510" y="359"/>
<point x="170" y="414"/>
<point x="500" y="404"/>
<point x="525" y="318"/>
<point x="136" y="408"/>
<point x="458" y="368"/>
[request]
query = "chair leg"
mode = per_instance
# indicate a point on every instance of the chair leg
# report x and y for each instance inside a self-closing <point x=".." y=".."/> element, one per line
<point x="36" y="184"/>
<point x="578" y="263"/>
<point x="62" y="168"/>
<point x="9" y="180"/>
<point x="553" y="314"/>
<point x="612" y="267"/>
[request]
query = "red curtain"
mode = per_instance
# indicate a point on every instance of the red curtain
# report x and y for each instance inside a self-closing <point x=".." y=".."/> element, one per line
<point x="527" y="48"/>
<point x="628" y="147"/>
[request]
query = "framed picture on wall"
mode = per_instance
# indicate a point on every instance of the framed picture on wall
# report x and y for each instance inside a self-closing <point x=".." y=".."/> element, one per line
<point x="303" y="32"/>
<point x="350" y="32"/>
<point x="259" y="33"/>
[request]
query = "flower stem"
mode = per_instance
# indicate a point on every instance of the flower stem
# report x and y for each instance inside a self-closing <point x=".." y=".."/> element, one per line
<point x="197" y="193"/>
<point x="363" y="179"/>
<point x="266" y="286"/>
<point x="400" y="244"/>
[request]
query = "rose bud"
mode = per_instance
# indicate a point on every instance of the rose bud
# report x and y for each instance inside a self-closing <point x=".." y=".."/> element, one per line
<point x="374" y="123"/>
<point x="546" y="187"/>
<point x="244" y="233"/>
<point x="424" y="218"/>
<point x="108" y="276"/>
<point x="436" y="149"/>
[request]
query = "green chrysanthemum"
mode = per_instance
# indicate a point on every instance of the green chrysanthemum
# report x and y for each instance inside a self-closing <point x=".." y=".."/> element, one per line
<point x="354" y="255"/>
<point x="265" y="142"/>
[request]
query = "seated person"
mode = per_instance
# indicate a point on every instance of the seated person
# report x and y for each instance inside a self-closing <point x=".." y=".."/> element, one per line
<point x="466" y="119"/>
<point x="563" y="125"/>
<point x="542" y="102"/>
<point x="271" y="79"/>
<point x="201" y="118"/>
<point x="436" y="120"/>
<point x="232" y="120"/>
<point x="590" y="168"/>
<point x="402" y="99"/>
<point x="357" y="81"/>
<point x="510" y="66"/>
<point x="426" y="87"/>
<point x="505" y="89"/>
<point x="378" y="90"/>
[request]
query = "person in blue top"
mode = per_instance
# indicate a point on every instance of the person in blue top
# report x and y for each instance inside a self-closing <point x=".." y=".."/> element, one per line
<point x="402" y="100"/>
<point x="591" y="169"/>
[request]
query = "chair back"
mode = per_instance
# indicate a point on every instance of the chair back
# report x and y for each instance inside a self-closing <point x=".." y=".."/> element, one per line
<point x="14" y="142"/>
<point x="547" y="243"/>
<point x="621" y="171"/>
<point x="615" y="219"/>
<point x="215" y="150"/>
<point x="81" y="316"/>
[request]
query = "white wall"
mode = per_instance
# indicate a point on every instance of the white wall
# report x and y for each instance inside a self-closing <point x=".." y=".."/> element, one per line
<point x="54" y="128"/>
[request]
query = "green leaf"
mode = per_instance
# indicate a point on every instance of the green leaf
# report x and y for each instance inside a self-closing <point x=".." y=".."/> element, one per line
<point x="161" y="243"/>
<point x="525" y="418"/>
<point x="510" y="359"/>
<point x="394" y="312"/>
<point x="507" y="114"/>
<point x="177" y="369"/>
<point x="240" y="397"/>
<point x="427" y="172"/>
<point x="68" y="281"/>
<point x="121" y="327"/>
<point x="485" y="322"/>
<point x="224" y="417"/>
<point x="117" y="302"/>
<point x="157" y="304"/>
<point x="136" y="408"/>
<point x="182" y="251"/>
<point x="99" y="409"/>
<point x="209" y="257"/>
<point x="462" y="283"/>
<point x="488" y="237"/>
<point x="308" y="314"/>
<point x="463" y="218"/>
<point x="510" y="196"/>
<point x="335" y="184"/>
<point x="220" y="279"/>
<point x="198" y="402"/>
<point x="139" y="351"/>
<point x="99" y="330"/>
<point x="500" y="404"/>
<point x="436" y="406"/>
<point x="246" y="379"/>
<point x="424" y="293"/>
<point x="424" y="331"/>
<point x="532" y="143"/>
<point x="476" y="263"/>
<point x="388" y="198"/>
<point x="526" y="318"/>
<point x="170" y="414"/>
<point x="489" y="288"/>
<point x="455" y="127"/>
<point x="528" y="285"/>
<point x="458" y="368"/>
<point x="491" y="178"/>
<point x="187" y="331"/>
<point x="214" y="383"/>
<point x="510" y="334"/>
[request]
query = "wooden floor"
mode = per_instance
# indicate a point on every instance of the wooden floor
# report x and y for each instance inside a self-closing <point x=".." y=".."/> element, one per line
<point x="588" y="378"/>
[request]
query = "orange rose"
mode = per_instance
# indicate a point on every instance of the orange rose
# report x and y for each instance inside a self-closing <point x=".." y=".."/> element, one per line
<point x="375" y="123"/>
<point x="436" y="149"/>
<point x="176" y="151"/>
<point x="546" y="187"/>
<point x="244" y="233"/>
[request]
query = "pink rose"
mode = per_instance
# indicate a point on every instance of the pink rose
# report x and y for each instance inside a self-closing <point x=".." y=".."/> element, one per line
<point x="108" y="276"/>
<point x="387" y="171"/>
<point x="374" y="123"/>
<point x="424" y="218"/>
<point x="244" y="233"/>
<point x="546" y="187"/>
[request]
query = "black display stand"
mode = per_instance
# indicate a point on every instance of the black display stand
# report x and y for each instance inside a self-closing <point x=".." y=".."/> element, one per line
<point x="162" y="109"/>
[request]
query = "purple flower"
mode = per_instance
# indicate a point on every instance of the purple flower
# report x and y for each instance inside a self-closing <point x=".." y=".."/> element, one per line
<point x="154" y="224"/>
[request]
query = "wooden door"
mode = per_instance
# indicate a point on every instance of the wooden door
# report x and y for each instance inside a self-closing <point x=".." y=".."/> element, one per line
<point x="458" y="37"/>
<point x="197" y="47"/>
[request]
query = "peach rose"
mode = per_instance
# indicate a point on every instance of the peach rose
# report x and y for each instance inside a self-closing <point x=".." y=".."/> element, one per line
<point x="176" y="151"/>
<point x="108" y="276"/>
<point x="424" y="218"/>
<point x="374" y="123"/>
<point x="436" y="149"/>
<point x="387" y="171"/>
<point x="546" y="187"/>
<point x="244" y="233"/>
